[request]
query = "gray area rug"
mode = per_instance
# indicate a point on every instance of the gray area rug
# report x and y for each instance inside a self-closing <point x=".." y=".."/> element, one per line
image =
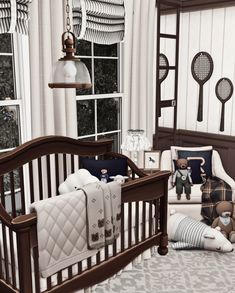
<point x="185" y="271"/>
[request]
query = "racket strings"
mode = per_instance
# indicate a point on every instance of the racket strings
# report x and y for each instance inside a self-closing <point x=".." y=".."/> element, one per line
<point x="202" y="67"/>
<point x="224" y="89"/>
<point x="163" y="72"/>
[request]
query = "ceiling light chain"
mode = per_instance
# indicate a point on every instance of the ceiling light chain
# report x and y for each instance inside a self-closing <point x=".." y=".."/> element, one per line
<point x="68" y="25"/>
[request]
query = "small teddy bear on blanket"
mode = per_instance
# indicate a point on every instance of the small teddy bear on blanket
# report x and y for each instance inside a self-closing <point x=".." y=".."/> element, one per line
<point x="224" y="222"/>
<point x="182" y="179"/>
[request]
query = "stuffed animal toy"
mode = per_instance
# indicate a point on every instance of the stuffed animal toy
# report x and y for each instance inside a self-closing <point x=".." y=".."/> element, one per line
<point x="119" y="178"/>
<point x="76" y="180"/>
<point x="224" y="222"/>
<point x="182" y="179"/>
<point x="189" y="233"/>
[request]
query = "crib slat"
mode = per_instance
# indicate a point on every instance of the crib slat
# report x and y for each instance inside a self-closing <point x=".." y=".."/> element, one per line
<point x="144" y="221"/>
<point x="31" y="181"/>
<point x="72" y="163"/>
<point x="40" y="178"/>
<point x="22" y="192"/>
<point x="36" y="269"/>
<point x="59" y="277"/>
<point x="156" y="215"/>
<point x="13" y="267"/>
<point x="4" y="231"/>
<point x="79" y="267"/>
<point x="150" y="218"/>
<point x="57" y="180"/>
<point x="122" y="228"/>
<point x="106" y="252"/>
<point x="48" y="283"/>
<point x="1" y="274"/>
<point x="13" y="200"/>
<point x="48" y="176"/>
<point x="136" y="222"/>
<point x="129" y="224"/>
<point x="89" y="262"/>
<point x="70" y="272"/>
<point x="65" y="166"/>
<point x="6" y="261"/>
<point x="98" y="258"/>
<point x="115" y="247"/>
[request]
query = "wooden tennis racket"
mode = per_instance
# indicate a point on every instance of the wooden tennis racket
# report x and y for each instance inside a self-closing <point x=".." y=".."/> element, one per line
<point x="223" y="91"/>
<point x="202" y="68"/>
<point x="163" y="72"/>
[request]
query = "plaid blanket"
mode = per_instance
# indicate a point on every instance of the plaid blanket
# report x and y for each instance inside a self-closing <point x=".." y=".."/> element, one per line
<point x="213" y="190"/>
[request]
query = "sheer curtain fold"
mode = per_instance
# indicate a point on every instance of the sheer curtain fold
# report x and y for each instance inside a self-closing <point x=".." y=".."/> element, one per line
<point x="139" y="64"/>
<point x="53" y="111"/>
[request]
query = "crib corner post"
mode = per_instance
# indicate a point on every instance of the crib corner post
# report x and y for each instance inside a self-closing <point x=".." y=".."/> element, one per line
<point x="24" y="260"/>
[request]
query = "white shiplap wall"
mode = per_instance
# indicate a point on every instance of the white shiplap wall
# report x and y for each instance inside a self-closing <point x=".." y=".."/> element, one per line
<point x="212" y="31"/>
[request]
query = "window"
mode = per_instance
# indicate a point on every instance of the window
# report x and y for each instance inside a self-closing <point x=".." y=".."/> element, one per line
<point x="13" y="91"/>
<point x="14" y="102"/>
<point x="99" y="108"/>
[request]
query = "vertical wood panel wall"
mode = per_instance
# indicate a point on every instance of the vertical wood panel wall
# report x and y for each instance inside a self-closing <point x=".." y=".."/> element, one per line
<point x="207" y="30"/>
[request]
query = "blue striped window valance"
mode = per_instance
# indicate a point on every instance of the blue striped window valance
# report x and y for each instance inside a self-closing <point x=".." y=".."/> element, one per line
<point x="99" y="21"/>
<point x="14" y="16"/>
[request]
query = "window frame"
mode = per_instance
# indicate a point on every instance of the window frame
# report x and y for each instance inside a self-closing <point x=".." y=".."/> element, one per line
<point x="21" y="75"/>
<point x="119" y="95"/>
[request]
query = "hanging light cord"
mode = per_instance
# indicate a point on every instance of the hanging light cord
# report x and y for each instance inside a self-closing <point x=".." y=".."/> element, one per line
<point x="68" y="24"/>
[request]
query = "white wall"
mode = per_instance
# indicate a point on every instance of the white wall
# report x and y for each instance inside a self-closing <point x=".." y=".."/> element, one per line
<point x="212" y="31"/>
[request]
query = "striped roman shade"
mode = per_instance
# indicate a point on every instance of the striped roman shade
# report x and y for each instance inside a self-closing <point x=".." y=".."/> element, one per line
<point x="14" y="16"/>
<point x="99" y="21"/>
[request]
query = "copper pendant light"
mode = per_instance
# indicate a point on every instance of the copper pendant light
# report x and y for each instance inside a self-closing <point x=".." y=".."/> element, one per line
<point x="70" y="71"/>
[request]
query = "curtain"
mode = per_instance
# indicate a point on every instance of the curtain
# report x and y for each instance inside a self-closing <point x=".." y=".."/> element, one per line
<point x="53" y="111"/>
<point x="14" y="16"/>
<point x="99" y="21"/>
<point x="139" y="66"/>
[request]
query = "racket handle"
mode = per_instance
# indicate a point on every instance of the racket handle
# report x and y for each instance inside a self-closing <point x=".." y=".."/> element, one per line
<point x="222" y="118"/>
<point x="200" y="104"/>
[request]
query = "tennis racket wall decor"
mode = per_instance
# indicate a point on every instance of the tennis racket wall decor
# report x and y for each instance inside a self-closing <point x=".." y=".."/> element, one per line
<point x="163" y="72"/>
<point x="223" y="91"/>
<point x="202" y="68"/>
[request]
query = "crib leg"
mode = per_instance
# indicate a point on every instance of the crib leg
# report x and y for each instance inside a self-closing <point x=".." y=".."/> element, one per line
<point x="162" y="249"/>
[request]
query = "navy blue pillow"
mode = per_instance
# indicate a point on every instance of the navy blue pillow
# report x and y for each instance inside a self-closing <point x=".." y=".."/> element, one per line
<point x="195" y="166"/>
<point x="206" y="155"/>
<point x="117" y="166"/>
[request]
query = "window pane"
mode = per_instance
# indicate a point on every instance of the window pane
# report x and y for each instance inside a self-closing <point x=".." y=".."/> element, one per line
<point x="115" y="137"/>
<point x="108" y="117"/>
<point x="105" y="50"/>
<point x="5" y="43"/>
<point x="10" y="127"/>
<point x="80" y="92"/>
<point x="92" y="138"/>
<point x="105" y="76"/>
<point x="86" y="117"/>
<point x="6" y="78"/>
<point x="83" y="48"/>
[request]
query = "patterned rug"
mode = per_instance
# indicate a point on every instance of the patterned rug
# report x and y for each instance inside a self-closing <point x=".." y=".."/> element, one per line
<point x="193" y="271"/>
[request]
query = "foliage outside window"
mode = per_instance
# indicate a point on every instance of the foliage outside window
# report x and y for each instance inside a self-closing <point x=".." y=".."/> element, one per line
<point x="99" y="108"/>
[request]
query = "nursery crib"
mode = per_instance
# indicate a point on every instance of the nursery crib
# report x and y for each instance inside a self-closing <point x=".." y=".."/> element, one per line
<point x="33" y="172"/>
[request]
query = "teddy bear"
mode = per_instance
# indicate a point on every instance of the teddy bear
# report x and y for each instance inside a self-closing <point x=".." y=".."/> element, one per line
<point x="224" y="222"/>
<point x="182" y="178"/>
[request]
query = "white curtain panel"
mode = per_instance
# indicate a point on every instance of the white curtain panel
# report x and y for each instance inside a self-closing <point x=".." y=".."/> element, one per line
<point x="99" y="21"/>
<point x="14" y="16"/>
<point x="139" y="66"/>
<point x="53" y="111"/>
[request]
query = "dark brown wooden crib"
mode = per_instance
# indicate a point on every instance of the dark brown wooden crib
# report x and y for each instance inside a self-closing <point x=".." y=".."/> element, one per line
<point x="33" y="172"/>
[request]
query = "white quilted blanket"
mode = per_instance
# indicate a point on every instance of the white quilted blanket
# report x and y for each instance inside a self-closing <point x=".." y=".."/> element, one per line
<point x="62" y="239"/>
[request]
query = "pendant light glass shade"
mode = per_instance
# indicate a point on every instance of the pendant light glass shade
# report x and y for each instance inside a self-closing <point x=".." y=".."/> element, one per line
<point x="70" y="74"/>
